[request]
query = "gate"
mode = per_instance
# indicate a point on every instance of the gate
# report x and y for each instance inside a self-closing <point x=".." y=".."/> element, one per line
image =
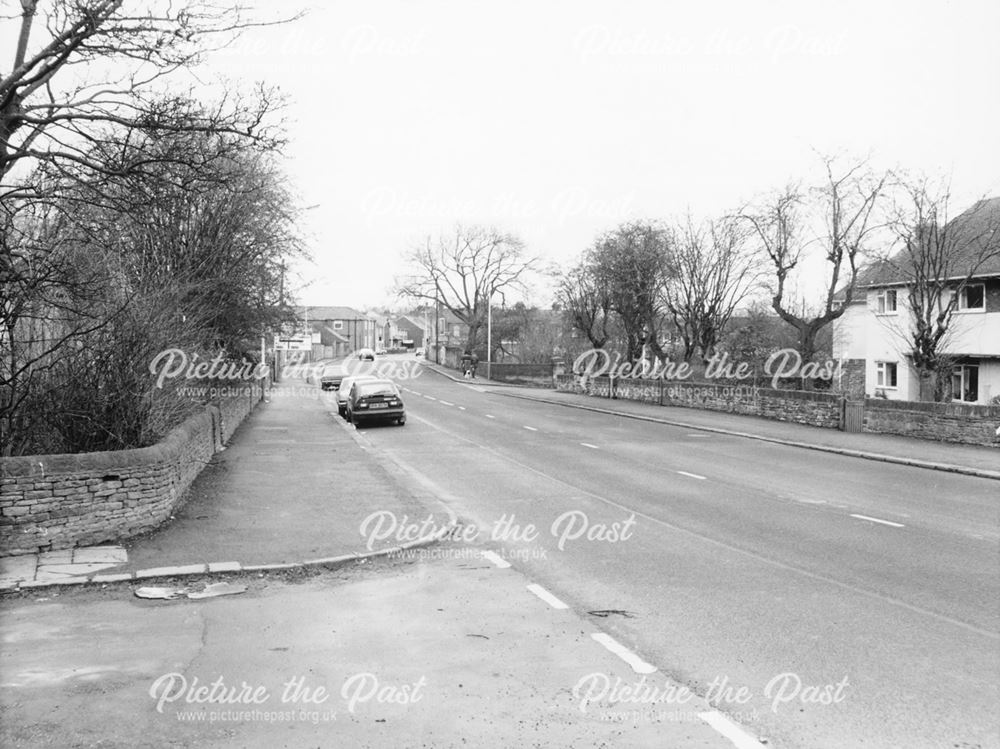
<point x="852" y="416"/>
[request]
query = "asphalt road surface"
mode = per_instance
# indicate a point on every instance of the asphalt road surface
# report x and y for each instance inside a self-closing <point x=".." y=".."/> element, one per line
<point x="850" y="602"/>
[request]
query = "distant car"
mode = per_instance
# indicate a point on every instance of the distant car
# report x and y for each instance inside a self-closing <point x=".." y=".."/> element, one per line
<point x="380" y="352"/>
<point x="344" y="392"/>
<point x="331" y="377"/>
<point x="366" y="354"/>
<point x="375" y="400"/>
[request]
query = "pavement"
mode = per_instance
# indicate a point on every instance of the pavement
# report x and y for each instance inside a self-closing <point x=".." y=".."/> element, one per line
<point x="969" y="460"/>
<point x="291" y="490"/>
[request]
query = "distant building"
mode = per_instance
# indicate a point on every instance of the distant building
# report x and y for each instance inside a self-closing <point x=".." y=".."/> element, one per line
<point x="337" y="331"/>
<point x="412" y="331"/>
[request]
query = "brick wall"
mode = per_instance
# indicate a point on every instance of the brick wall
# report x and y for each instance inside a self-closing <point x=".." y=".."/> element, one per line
<point x="61" y="501"/>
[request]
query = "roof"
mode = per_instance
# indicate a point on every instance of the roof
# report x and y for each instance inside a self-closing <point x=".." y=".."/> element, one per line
<point x="973" y="231"/>
<point x="333" y="313"/>
<point x="328" y="336"/>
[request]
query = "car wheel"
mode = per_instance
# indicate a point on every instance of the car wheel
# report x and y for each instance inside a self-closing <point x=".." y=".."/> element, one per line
<point x="401" y="420"/>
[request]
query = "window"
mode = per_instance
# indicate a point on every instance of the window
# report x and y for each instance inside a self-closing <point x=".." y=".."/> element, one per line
<point x="885" y="374"/>
<point x="965" y="383"/>
<point x="338" y="324"/>
<point x="886" y="302"/>
<point x="972" y="297"/>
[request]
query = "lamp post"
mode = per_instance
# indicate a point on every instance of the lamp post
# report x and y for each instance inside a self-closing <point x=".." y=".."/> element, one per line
<point x="489" y="336"/>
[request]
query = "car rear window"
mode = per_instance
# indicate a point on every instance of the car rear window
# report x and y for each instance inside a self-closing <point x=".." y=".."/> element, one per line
<point x="376" y="388"/>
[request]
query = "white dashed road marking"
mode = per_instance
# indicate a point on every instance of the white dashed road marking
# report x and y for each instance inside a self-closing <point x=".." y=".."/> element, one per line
<point x="430" y="397"/>
<point x="496" y="559"/>
<point x="638" y="664"/>
<point x="877" y="520"/>
<point x="490" y="416"/>
<point x="740" y="738"/>
<point x="447" y="403"/>
<point x="531" y="429"/>
<point x="550" y="599"/>
<point x="461" y="408"/>
<point x="692" y="475"/>
<point x="592" y="447"/>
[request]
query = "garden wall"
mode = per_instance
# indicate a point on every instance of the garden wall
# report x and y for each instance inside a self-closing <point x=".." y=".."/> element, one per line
<point x="943" y="422"/>
<point x="50" y="502"/>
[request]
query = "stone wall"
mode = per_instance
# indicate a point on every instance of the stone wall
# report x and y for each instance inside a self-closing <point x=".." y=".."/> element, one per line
<point x="943" y="422"/>
<point x="815" y="408"/>
<point x="50" y="502"/>
<point x="539" y="375"/>
<point x="947" y="422"/>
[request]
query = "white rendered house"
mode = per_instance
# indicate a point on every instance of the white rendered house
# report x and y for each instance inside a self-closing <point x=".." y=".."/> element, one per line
<point x="871" y="338"/>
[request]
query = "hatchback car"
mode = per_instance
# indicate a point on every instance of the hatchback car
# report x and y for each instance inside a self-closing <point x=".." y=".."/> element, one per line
<point x="366" y="354"/>
<point x="344" y="392"/>
<point x="331" y="377"/>
<point x="375" y="400"/>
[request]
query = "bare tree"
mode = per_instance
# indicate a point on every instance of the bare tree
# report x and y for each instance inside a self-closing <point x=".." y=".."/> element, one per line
<point x="100" y="277"/>
<point x="585" y="300"/>
<point x="712" y="273"/>
<point x="933" y="265"/>
<point x="464" y="271"/>
<point x="846" y="206"/>
<point x="631" y="264"/>
<point x="59" y="90"/>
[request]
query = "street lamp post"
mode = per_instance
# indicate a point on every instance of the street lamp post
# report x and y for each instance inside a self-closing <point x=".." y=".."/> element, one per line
<point x="489" y="336"/>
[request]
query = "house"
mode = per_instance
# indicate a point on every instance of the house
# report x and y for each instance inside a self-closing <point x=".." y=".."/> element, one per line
<point x="871" y="338"/>
<point x="412" y="331"/>
<point x="337" y="331"/>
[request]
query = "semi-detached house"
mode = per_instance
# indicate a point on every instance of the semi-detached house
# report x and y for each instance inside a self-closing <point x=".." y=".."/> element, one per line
<point x="870" y="338"/>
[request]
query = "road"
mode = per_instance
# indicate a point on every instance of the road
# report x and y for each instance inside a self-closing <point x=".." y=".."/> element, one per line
<point x="854" y="602"/>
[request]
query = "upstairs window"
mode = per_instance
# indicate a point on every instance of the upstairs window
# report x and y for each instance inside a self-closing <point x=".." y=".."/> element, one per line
<point x="885" y="302"/>
<point x="972" y="297"/>
<point x="338" y="324"/>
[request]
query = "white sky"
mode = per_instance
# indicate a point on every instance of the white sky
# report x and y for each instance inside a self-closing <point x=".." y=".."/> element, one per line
<point x="558" y="120"/>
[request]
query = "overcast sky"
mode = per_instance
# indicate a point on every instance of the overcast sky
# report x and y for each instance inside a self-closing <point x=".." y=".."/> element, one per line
<point x="559" y="120"/>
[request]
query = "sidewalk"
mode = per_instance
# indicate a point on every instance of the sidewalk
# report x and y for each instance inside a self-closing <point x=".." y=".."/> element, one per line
<point x="942" y="456"/>
<point x="293" y="487"/>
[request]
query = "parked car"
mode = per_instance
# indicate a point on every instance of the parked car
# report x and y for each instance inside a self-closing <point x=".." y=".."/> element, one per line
<point x="331" y="377"/>
<point x="345" y="390"/>
<point x="366" y="354"/>
<point x="375" y="400"/>
<point x="380" y="352"/>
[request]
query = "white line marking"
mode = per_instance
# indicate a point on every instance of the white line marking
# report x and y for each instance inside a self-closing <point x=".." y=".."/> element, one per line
<point x="876" y="520"/>
<point x="430" y="397"/>
<point x="415" y="392"/>
<point x="531" y="429"/>
<point x="490" y="416"/>
<point x="496" y="559"/>
<point x="461" y="408"/>
<point x="692" y="475"/>
<point x="592" y="447"/>
<point x="446" y="403"/>
<point x="811" y="501"/>
<point x="638" y="664"/>
<point x="740" y="738"/>
<point x="550" y="599"/>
